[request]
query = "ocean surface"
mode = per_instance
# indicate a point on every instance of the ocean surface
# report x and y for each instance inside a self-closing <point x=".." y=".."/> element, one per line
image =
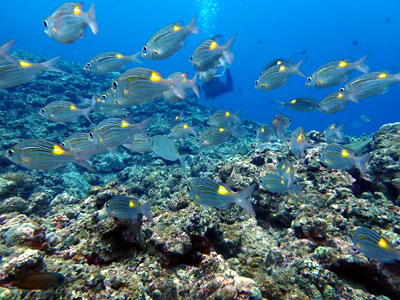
<point x="324" y="30"/>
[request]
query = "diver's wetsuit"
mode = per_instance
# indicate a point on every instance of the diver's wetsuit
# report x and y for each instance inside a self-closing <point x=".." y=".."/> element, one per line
<point x="217" y="87"/>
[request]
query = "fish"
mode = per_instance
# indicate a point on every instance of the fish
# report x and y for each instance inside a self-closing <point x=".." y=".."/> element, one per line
<point x="277" y="75"/>
<point x="187" y="84"/>
<point x="298" y="142"/>
<point x="41" y="154"/>
<point x="224" y="118"/>
<point x="168" y="40"/>
<point x="206" y="76"/>
<point x="5" y="57"/>
<point x="303" y="104"/>
<point x="280" y="124"/>
<point x="209" y="193"/>
<point x="107" y="62"/>
<point x="365" y="118"/>
<point x="114" y="132"/>
<point x="274" y="62"/>
<point x="166" y="149"/>
<point x="286" y="170"/>
<point x="79" y="143"/>
<point x="183" y="130"/>
<point x="34" y="281"/>
<point x="214" y="136"/>
<point x="266" y="133"/>
<point x="370" y="84"/>
<point x="124" y="207"/>
<point x="138" y="144"/>
<point x="335" y="102"/>
<point x="276" y="183"/>
<point x="140" y="85"/>
<point x="24" y="71"/>
<point x="334" y="134"/>
<point x="208" y="54"/>
<point x="335" y="72"/>
<point x="338" y="157"/>
<point x="64" y="112"/>
<point x="68" y="22"/>
<point x="374" y="246"/>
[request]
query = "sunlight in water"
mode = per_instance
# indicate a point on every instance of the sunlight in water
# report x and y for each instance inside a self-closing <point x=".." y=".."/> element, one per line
<point x="208" y="10"/>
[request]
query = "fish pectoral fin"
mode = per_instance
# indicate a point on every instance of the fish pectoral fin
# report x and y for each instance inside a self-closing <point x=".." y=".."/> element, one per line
<point x="82" y="35"/>
<point x="206" y="208"/>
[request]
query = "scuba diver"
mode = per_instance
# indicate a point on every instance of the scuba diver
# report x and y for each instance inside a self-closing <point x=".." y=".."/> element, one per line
<point x="216" y="87"/>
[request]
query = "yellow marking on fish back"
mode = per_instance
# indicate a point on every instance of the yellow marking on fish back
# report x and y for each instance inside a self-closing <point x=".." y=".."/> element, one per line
<point x="57" y="150"/>
<point x="176" y="118"/>
<point x="279" y="62"/>
<point x="345" y="153"/>
<point x="221" y="130"/>
<point x="262" y="130"/>
<point x="185" y="126"/>
<point x="283" y="166"/>
<point x="227" y="114"/>
<point x="25" y="64"/>
<point x="340" y="95"/>
<point x="72" y="107"/>
<point x="382" y="75"/>
<point x="197" y="197"/>
<point x="293" y="101"/>
<point x="213" y="45"/>
<point x="77" y="10"/>
<point x="177" y="28"/>
<point x="155" y="77"/>
<point x="342" y="64"/>
<point x="222" y="190"/>
<point x="131" y="204"/>
<point x="124" y="124"/>
<point x="282" y="68"/>
<point x="300" y="138"/>
<point x="117" y="55"/>
<point x="384" y="244"/>
<point x="332" y="127"/>
<point x="288" y="170"/>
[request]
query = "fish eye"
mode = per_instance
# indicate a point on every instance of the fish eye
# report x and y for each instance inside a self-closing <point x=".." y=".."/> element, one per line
<point x="191" y="58"/>
<point x="103" y="97"/>
<point x="42" y="110"/>
<point x="10" y="152"/>
<point x="89" y="65"/>
<point x="341" y="90"/>
<point x="309" y="79"/>
<point x="144" y="50"/>
<point x="45" y="24"/>
<point x="62" y="144"/>
<point x="91" y="134"/>
<point x="115" y="84"/>
<point x="257" y="82"/>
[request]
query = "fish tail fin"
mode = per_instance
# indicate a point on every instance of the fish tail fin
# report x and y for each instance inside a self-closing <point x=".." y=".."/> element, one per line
<point x="361" y="164"/>
<point x="354" y="95"/>
<point x="83" y="163"/>
<point x="145" y="210"/>
<point x="142" y="126"/>
<point x="281" y="103"/>
<point x="193" y="28"/>
<point x="227" y="53"/>
<point x="194" y="130"/>
<point x="297" y="67"/>
<point x="243" y="202"/>
<point x="183" y="159"/>
<point x="49" y="64"/>
<point x="5" y="52"/>
<point x="176" y="87"/>
<point x="86" y="112"/>
<point x="92" y="20"/>
<point x="237" y="115"/>
<point x="397" y="76"/>
<point x="360" y="64"/>
<point x="340" y="133"/>
<point x="193" y="85"/>
<point x="235" y="131"/>
<point x="134" y="58"/>
<point x="298" y="189"/>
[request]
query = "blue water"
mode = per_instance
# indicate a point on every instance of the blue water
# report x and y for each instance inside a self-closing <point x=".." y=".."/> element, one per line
<point x="266" y="30"/>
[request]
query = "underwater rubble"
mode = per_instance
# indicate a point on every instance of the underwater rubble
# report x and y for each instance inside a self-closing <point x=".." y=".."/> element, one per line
<point x="297" y="247"/>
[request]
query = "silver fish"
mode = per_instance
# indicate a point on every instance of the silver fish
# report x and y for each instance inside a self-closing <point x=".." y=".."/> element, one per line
<point x="208" y="54"/>
<point x="64" y="112"/>
<point x="209" y="193"/>
<point x="335" y="102"/>
<point x="187" y="84"/>
<point x="335" y="72"/>
<point x="215" y="136"/>
<point x="277" y="76"/>
<point x="280" y="124"/>
<point x="224" y="118"/>
<point x="78" y="143"/>
<point x="107" y="62"/>
<point x="168" y="40"/>
<point x="16" y="74"/>
<point x="138" y="144"/>
<point x="68" y="22"/>
<point x="276" y="183"/>
<point x="298" y="142"/>
<point x="334" y="134"/>
<point x="5" y="57"/>
<point x="183" y="130"/>
<point x="123" y="207"/>
<point x="39" y="154"/>
<point x="266" y="133"/>
<point x="303" y="104"/>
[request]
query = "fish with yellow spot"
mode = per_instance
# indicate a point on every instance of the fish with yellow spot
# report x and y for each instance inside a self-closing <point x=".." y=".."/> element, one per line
<point x="68" y="22"/>
<point x="187" y="84"/>
<point x="334" y="134"/>
<point x="114" y="132"/>
<point x="274" y="62"/>
<point x="107" y="62"/>
<point x="298" y="142"/>
<point x="5" y="57"/>
<point x="276" y="183"/>
<point x="79" y="144"/>
<point x="215" y="135"/>
<point x="168" y="40"/>
<point x="280" y="124"/>
<point x="124" y="207"/>
<point x="183" y="130"/>
<point x="224" y="118"/>
<point x="277" y="75"/>
<point x="64" y="112"/>
<point x="209" y="193"/>
<point x="140" y="85"/>
<point x="286" y="170"/>
<point x="374" y="246"/>
<point x="40" y="154"/>
<point x="371" y="84"/>
<point x="336" y="101"/>
<point x="209" y="54"/>
<point x="266" y="133"/>
<point x="338" y="157"/>
<point x="138" y="144"/>
<point x="335" y="72"/>
<point x="303" y="104"/>
<point x="24" y="71"/>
